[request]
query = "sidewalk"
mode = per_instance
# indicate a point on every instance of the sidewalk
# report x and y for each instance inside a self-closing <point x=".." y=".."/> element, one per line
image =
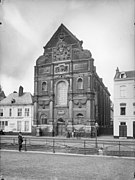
<point x="105" y="137"/>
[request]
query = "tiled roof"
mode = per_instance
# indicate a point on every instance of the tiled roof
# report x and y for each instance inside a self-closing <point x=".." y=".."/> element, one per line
<point x="129" y="74"/>
<point x="15" y="99"/>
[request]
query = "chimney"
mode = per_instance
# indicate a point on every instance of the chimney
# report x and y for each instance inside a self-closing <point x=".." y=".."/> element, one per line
<point x="117" y="70"/>
<point x="20" y="91"/>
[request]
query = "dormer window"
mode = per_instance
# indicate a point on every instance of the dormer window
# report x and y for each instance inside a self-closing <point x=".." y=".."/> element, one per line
<point x="13" y="101"/>
<point x="123" y="75"/>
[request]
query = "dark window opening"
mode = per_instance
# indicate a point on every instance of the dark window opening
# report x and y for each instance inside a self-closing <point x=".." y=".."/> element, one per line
<point x="123" y="111"/>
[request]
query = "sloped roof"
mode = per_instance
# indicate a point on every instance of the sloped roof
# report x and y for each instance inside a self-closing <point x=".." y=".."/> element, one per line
<point x="15" y="99"/>
<point x="69" y="38"/>
<point x="128" y="75"/>
<point x="2" y="95"/>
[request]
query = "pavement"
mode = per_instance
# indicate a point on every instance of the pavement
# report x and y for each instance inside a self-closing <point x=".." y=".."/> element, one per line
<point x="62" y="137"/>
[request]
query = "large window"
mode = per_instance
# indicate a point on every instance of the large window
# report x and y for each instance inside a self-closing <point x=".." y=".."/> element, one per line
<point x="123" y="91"/>
<point x="19" y="126"/>
<point x="80" y="83"/>
<point x="61" y="93"/>
<point x="26" y="126"/>
<point x="19" y="111"/>
<point x="3" y="124"/>
<point x="1" y="112"/>
<point x="27" y="112"/>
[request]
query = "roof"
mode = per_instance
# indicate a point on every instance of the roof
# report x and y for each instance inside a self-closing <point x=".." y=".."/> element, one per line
<point x="69" y="38"/>
<point x="2" y="95"/>
<point x="15" y="99"/>
<point x="126" y="75"/>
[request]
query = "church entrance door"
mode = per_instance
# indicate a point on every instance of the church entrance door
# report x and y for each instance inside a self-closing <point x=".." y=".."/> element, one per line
<point x="60" y="127"/>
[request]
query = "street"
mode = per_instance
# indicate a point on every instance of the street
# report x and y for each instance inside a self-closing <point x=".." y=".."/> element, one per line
<point x="38" y="166"/>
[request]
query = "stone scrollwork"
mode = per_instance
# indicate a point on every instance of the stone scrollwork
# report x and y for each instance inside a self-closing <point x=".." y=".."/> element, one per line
<point x="62" y="68"/>
<point x="62" y="51"/>
<point x="80" y="102"/>
<point x="43" y="104"/>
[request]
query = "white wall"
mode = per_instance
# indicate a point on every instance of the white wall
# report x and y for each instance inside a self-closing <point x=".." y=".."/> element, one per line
<point x="129" y="99"/>
<point x="12" y="120"/>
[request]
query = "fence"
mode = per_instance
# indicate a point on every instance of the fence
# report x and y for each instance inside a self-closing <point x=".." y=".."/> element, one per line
<point x="72" y="145"/>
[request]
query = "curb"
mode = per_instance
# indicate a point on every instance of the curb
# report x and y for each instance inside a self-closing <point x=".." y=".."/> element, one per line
<point x="67" y="154"/>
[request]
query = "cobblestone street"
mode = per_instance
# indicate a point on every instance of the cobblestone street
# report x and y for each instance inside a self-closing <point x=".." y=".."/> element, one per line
<point x="38" y="166"/>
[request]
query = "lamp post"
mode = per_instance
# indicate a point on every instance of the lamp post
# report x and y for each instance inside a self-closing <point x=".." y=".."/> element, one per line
<point x="96" y="126"/>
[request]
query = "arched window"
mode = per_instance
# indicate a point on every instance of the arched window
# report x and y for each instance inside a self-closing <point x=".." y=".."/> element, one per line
<point x="43" y="119"/>
<point x="61" y="93"/>
<point x="44" y="86"/>
<point x="79" y="83"/>
<point x="79" y="118"/>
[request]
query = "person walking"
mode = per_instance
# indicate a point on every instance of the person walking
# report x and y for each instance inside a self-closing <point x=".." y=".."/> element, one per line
<point x="20" y="141"/>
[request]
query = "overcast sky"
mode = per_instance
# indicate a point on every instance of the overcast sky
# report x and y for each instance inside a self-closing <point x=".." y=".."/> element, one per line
<point x="105" y="26"/>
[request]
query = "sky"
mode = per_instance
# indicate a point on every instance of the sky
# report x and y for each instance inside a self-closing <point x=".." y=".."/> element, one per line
<point x="105" y="26"/>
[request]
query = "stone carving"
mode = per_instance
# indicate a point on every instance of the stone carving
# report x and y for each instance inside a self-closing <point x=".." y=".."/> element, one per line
<point x="62" y="51"/>
<point x="43" y="104"/>
<point x="80" y="102"/>
<point x="62" y="68"/>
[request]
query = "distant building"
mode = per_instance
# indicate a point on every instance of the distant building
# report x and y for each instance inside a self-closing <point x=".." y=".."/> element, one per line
<point x="16" y="112"/>
<point x="68" y="93"/>
<point x="124" y="104"/>
<point x="2" y="94"/>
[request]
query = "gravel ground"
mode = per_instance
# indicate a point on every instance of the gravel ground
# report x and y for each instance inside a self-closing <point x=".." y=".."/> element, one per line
<point x="39" y="166"/>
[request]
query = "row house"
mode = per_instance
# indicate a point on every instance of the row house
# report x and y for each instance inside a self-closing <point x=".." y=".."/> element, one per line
<point x="16" y="112"/>
<point x="124" y="104"/>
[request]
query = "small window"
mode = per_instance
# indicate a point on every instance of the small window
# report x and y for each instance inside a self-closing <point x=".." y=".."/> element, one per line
<point x="123" y="111"/>
<point x="134" y="113"/>
<point x="1" y="112"/>
<point x="6" y="123"/>
<point x="10" y="112"/>
<point x="123" y="75"/>
<point x="19" y="111"/>
<point x="123" y="123"/>
<point x="26" y="111"/>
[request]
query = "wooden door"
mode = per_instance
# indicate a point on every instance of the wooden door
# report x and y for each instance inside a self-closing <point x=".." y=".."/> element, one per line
<point x="122" y="131"/>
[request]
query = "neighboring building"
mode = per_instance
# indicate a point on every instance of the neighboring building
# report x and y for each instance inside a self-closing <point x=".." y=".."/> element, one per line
<point x="124" y="104"/>
<point x="112" y="113"/>
<point x="68" y="93"/>
<point x="16" y="112"/>
<point x="2" y="94"/>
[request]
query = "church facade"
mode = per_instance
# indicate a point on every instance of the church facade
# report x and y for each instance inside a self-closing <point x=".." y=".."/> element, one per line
<point x="68" y="93"/>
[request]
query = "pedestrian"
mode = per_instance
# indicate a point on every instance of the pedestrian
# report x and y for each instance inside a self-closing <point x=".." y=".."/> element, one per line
<point x="20" y="141"/>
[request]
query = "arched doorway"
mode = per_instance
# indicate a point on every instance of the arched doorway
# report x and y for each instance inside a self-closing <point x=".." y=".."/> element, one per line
<point x="60" y="127"/>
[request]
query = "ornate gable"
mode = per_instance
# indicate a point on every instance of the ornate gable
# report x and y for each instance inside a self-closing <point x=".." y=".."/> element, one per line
<point x="63" y="34"/>
<point x="63" y="46"/>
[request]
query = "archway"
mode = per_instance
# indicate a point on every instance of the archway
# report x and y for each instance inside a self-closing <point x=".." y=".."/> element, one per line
<point x="60" y="129"/>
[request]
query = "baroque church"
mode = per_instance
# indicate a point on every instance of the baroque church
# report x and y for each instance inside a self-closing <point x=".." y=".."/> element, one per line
<point x="68" y="93"/>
